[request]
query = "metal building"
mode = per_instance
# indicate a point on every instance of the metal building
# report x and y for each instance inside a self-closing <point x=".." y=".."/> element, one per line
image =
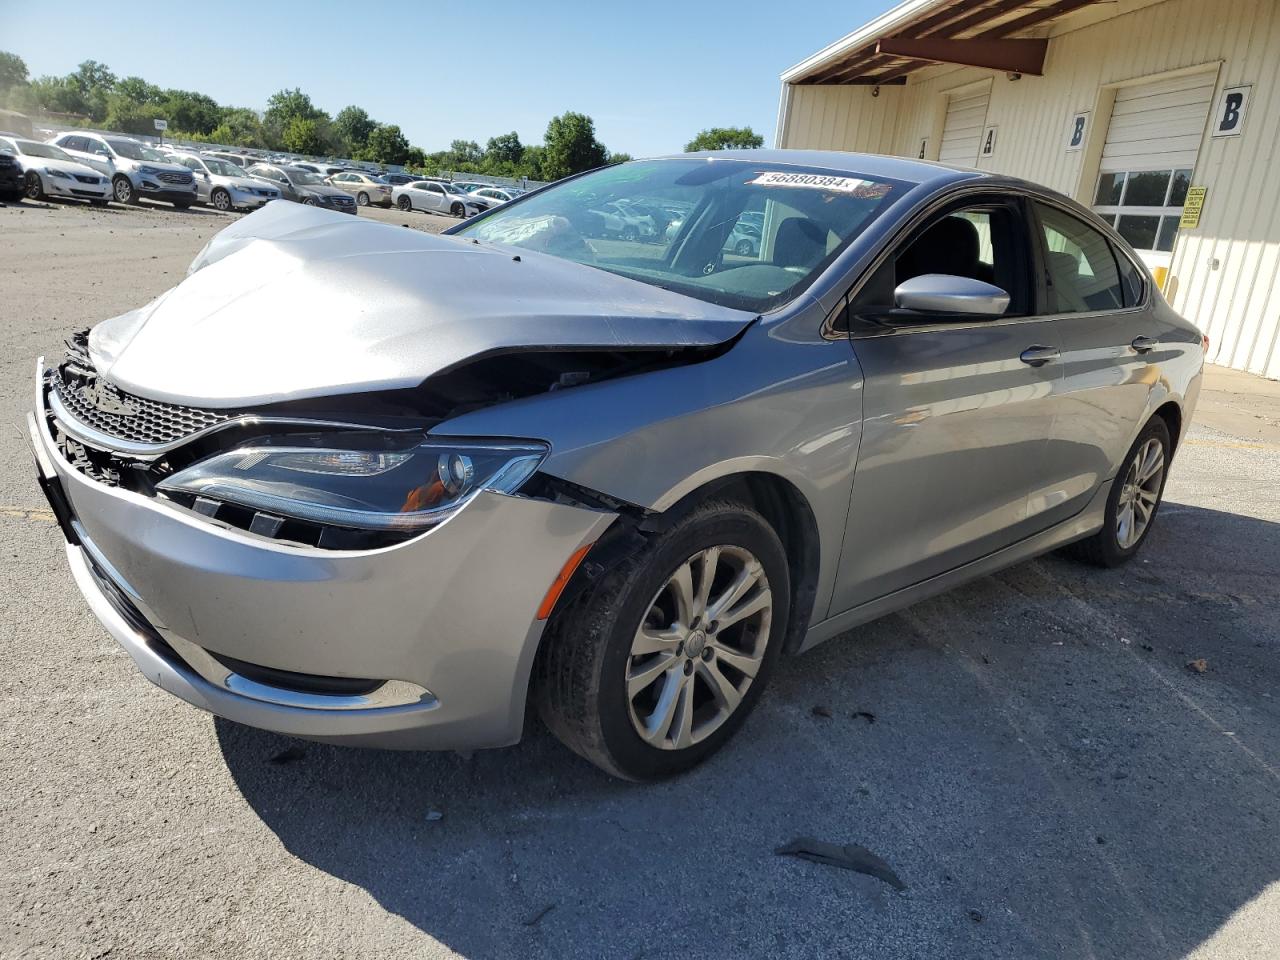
<point x="1162" y="115"/>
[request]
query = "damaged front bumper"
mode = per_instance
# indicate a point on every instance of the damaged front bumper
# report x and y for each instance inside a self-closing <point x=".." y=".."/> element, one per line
<point x="427" y="644"/>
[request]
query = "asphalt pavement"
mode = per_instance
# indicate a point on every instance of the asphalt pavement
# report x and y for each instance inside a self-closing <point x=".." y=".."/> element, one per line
<point x="1031" y="754"/>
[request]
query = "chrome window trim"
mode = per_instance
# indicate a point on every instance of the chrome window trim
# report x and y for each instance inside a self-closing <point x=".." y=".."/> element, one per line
<point x="151" y="451"/>
<point x="960" y="192"/>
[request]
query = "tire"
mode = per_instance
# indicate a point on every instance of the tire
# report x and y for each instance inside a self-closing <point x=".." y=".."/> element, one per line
<point x="122" y="190"/>
<point x="404" y="203"/>
<point x="362" y="199"/>
<point x="221" y="200"/>
<point x="630" y="233"/>
<point x="743" y="248"/>
<point x="596" y="693"/>
<point x="1114" y="544"/>
<point x="309" y="201"/>
<point x="33" y="186"/>
<point x="457" y="210"/>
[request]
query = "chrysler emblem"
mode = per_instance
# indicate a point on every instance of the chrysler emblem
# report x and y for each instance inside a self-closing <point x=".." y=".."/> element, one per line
<point x="107" y="400"/>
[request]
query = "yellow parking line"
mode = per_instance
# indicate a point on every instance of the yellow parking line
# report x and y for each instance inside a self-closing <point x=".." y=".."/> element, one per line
<point x="1233" y="444"/>
<point x="20" y="514"/>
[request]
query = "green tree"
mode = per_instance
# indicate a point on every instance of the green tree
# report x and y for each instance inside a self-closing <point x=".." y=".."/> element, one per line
<point x="725" y="138"/>
<point x="505" y="148"/>
<point x="386" y="144"/>
<point x="13" y="71"/>
<point x="619" y="158"/>
<point x="304" y="135"/>
<point x="137" y="90"/>
<point x="465" y="153"/>
<point x="354" y="126"/>
<point x="193" y="112"/>
<point x="571" y="146"/>
<point x="415" y="158"/>
<point x="239" y="127"/>
<point x="125" y="116"/>
<point x="58" y="95"/>
<point x="285" y="106"/>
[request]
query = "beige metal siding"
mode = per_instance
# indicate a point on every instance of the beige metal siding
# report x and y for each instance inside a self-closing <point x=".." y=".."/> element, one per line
<point x="1224" y="273"/>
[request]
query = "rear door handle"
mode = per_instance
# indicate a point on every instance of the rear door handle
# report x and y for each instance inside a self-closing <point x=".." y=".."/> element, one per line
<point x="1144" y="344"/>
<point x="1038" y="356"/>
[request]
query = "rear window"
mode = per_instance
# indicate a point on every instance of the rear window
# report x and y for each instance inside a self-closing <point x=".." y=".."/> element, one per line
<point x="740" y="234"/>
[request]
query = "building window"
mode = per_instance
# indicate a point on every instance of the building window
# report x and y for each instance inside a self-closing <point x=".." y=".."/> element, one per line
<point x="1143" y="205"/>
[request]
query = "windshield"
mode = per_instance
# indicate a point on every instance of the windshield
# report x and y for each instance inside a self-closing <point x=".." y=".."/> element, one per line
<point x="303" y="178"/>
<point x="675" y="224"/>
<point x="222" y="168"/>
<point x="46" y="150"/>
<point x="134" y="151"/>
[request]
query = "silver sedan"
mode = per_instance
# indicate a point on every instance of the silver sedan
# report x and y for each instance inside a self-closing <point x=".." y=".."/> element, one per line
<point x="386" y="496"/>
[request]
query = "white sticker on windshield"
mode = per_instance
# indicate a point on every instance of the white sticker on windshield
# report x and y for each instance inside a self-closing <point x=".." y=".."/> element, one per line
<point x="814" y="181"/>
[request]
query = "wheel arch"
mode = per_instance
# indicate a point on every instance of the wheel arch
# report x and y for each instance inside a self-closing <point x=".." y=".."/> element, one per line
<point x="1171" y="413"/>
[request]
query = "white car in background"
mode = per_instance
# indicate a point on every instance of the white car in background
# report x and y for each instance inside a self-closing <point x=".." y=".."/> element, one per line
<point x="48" y="171"/>
<point x="136" y="170"/>
<point x="225" y="186"/>
<point x="434" y="196"/>
<point x="496" y="196"/>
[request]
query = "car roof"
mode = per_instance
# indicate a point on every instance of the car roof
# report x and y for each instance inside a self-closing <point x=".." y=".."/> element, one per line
<point x="838" y="161"/>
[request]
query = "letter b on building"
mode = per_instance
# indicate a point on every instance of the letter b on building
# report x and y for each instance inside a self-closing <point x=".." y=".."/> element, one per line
<point x="1231" y="109"/>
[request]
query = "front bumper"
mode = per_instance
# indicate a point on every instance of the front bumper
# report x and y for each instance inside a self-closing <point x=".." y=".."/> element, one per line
<point x="149" y="189"/>
<point x="249" y="199"/>
<point x="447" y="620"/>
<point x="58" y="187"/>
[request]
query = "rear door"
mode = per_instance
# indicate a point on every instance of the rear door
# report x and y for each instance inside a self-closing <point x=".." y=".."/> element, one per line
<point x="955" y="421"/>
<point x="1102" y="320"/>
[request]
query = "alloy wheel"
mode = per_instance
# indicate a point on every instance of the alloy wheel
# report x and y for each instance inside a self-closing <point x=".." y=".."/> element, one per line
<point x="123" y="190"/>
<point x="1140" y="493"/>
<point x="700" y="645"/>
<point x="33" y="189"/>
<point x="222" y="200"/>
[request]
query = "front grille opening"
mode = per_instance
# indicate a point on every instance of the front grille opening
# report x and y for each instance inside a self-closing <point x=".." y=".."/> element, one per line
<point x="298" y="682"/>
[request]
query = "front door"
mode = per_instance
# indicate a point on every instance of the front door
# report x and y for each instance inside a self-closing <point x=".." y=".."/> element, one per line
<point x="957" y="415"/>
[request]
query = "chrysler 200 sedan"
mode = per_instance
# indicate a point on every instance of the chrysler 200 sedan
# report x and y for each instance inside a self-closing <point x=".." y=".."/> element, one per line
<point x="364" y="485"/>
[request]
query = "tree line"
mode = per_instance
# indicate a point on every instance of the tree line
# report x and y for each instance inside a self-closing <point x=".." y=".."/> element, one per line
<point x="94" y="96"/>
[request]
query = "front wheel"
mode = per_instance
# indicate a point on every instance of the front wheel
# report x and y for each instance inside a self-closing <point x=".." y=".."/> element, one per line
<point x="32" y="186"/>
<point x="309" y="201"/>
<point x="404" y="203"/>
<point x="221" y="200"/>
<point x="743" y="249"/>
<point x="1135" y="497"/>
<point x="124" y="191"/>
<point x="652" y="670"/>
<point x="457" y="210"/>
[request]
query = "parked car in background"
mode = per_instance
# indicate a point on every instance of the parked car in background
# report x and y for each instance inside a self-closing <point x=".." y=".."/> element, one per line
<point x="136" y="171"/>
<point x="303" y="186"/>
<point x="399" y="179"/>
<point x="617" y="220"/>
<point x="744" y="239"/>
<point x="434" y="196"/>
<point x="495" y="196"/>
<point x="451" y="480"/>
<point x="225" y="186"/>
<point x="367" y="189"/>
<point x="239" y="160"/>
<point x="49" y="171"/>
<point x="12" y="176"/>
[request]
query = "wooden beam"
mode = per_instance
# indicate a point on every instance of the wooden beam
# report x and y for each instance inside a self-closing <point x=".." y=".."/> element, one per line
<point x="974" y="18"/>
<point x="1012" y="56"/>
<point x="1061" y="8"/>
<point x="876" y="82"/>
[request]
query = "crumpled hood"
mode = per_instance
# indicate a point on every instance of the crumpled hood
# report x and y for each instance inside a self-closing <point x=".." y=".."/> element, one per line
<point x="294" y="301"/>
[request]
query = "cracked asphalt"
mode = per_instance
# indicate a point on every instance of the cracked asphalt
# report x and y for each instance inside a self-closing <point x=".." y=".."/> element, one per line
<point x="1031" y="753"/>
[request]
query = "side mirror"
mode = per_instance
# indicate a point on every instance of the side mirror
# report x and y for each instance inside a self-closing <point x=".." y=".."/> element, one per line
<point x="943" y="293"/>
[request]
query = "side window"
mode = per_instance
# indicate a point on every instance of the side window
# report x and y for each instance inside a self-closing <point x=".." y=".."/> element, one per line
<point x="981" y="242"/>
<point x="1080" y="268"/>
<point x="98" y="147"/>
<point x="191" y="164"/>
<point x="75" y="143"/>
<point x="1131" y="279"/>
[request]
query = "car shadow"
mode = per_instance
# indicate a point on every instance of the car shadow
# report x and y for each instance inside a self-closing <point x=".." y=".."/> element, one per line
<point x="1031" y="753"/>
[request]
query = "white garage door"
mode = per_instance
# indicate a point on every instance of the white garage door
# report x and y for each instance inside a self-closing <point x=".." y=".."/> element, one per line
<point x="962" y="131"/>
<point x="1148" y="159"/>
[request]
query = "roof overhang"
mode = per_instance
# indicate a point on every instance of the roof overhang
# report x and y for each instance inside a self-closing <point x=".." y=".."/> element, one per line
<point x="920" y="33"/>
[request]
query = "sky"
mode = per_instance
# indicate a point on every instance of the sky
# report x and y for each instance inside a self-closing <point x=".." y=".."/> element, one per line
<point x="651" y="74"/>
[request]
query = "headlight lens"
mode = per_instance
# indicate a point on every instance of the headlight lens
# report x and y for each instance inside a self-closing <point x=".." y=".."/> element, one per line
<point x="58" y="174"/>
<point x="149" y="171"/>
<point x="372" y="489"/>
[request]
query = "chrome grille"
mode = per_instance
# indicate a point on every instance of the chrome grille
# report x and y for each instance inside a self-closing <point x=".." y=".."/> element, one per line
<point x="84" y="395"/>
<point x="175" y="177"/>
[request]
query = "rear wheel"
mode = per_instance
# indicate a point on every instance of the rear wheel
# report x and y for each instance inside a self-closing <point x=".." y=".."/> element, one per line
<point x="123" y="190"/>
<point x="362" y="198"/>
<point x="743" y="249"/>
<point x="221" y="200"/>
<point x="32" y="186"/>
<point x="652" y="670"/>
<point x="457" y="210"/>
<point x="309" y="201"/>
<point x="404" y="203"/>
<point x="1135" y="497"/>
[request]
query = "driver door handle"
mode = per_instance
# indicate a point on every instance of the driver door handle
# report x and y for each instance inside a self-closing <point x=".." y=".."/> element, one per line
<point x="1144" y="344"/>
<point x="1038" y="356"/>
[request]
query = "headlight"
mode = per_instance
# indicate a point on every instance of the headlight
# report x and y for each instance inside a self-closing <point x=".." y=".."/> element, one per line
<point x="372" y="489"/>
<point x="150" y="171"/>
<point x="57" y="174"/>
